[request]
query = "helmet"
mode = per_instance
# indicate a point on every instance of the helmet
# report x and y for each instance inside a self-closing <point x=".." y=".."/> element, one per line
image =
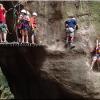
<point x="23" y="11"/>
<point x="74" y="18"/>
<point x="1" y="4"/>
<point x="34" y="14"/>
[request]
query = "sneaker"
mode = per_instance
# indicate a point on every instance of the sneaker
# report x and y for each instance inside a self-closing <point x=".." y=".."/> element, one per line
<point x="5" y="42"/>
<point x="72" y="45"/>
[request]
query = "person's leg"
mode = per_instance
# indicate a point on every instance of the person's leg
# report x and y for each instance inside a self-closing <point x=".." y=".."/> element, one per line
<point x="1" y="37"/>
<point x="1" y="32"/>
<point x="22" y="36"/>
<point x="72" y="40"/>
<point x="67" y="39"/>
<point x="26" y="34"/>
<point x="5" y="37"/>
<point x="98" y="62"/>
<point x="32" y="37"/>
<point x="93" y="61"/>
<point x="98" y="59"/>
<point x="71" y="33"/>
<point x="20" y="39"/>
<point x="19" y="35"/>
<point x="67" y="36"/>
<point x="72" y="37"/>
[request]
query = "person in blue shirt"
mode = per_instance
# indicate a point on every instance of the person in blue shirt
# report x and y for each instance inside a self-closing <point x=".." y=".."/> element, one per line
<point x="70" y="25"/>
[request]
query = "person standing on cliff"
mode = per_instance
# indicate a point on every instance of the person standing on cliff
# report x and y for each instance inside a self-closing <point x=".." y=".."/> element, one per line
<point x="33" y="25"/>
<point x="70" y="26"/>
<point x="3" y="25"/>
<point x="24" y="27"/>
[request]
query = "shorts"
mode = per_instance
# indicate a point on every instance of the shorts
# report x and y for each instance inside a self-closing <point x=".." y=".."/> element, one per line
<point x="70" y="31"/>
<point x="33" y="31"/>
<point x="25" y="27"/>
<point x="3" y="27"/>
<point x="96" y="57"/>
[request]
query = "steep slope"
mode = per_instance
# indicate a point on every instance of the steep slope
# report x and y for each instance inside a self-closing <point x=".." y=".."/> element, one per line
<point x="71" y="68"/>
<point x="63" y="72"/>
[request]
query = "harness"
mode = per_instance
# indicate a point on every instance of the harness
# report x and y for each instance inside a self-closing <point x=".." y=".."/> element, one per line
<point x="98" y="50"/>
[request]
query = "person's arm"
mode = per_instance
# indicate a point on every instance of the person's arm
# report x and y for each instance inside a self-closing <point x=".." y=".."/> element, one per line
<point x="4" y="11"/>
<point x="76" y="27"/>
<point x="31" y="24"/>
<point x="34" y="23"/>
<point x="28" y="18"/>
<point x="66" y="24"/>
<point x="75" y="23"/>
<point x="97" y="42"/>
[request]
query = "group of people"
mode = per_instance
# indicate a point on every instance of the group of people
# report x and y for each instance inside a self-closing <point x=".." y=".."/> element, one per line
<point x="25" y="24"/>
<point x="71" y="26"/>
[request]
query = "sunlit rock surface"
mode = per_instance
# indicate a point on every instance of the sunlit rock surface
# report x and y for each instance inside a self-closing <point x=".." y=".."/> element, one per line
<point x="53" y="71"/>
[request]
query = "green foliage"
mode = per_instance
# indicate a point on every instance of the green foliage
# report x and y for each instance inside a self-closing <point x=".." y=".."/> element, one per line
<point x="95" y="9"/>
<point x="5" y="92"/>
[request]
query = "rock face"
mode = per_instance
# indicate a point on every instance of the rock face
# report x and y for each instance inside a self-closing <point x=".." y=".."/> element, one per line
<point x="54" y="71"/>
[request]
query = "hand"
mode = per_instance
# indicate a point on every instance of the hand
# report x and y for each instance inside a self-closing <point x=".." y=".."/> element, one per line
<point x="33" y="29"/>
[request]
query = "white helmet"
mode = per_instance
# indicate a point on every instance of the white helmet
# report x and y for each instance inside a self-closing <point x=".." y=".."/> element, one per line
<point x="23" y="11"/>
<point x="74" y="18"/>
<point x="34" y="14"/>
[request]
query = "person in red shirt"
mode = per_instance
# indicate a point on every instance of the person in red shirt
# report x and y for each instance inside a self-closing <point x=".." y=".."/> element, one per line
<point x="2" y="14"/>
<point x="33" y="24"/>
<point x="3" y="26"/>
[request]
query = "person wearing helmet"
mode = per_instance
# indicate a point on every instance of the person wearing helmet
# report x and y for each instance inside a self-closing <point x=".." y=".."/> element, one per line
<point x="3" y="25"/>
<point x="96" y="54"/>
<point x="23" y="21"/>
<point x="70" y="26"/>
<point x="23" y="11"/>
<point x="33" y="25"/>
